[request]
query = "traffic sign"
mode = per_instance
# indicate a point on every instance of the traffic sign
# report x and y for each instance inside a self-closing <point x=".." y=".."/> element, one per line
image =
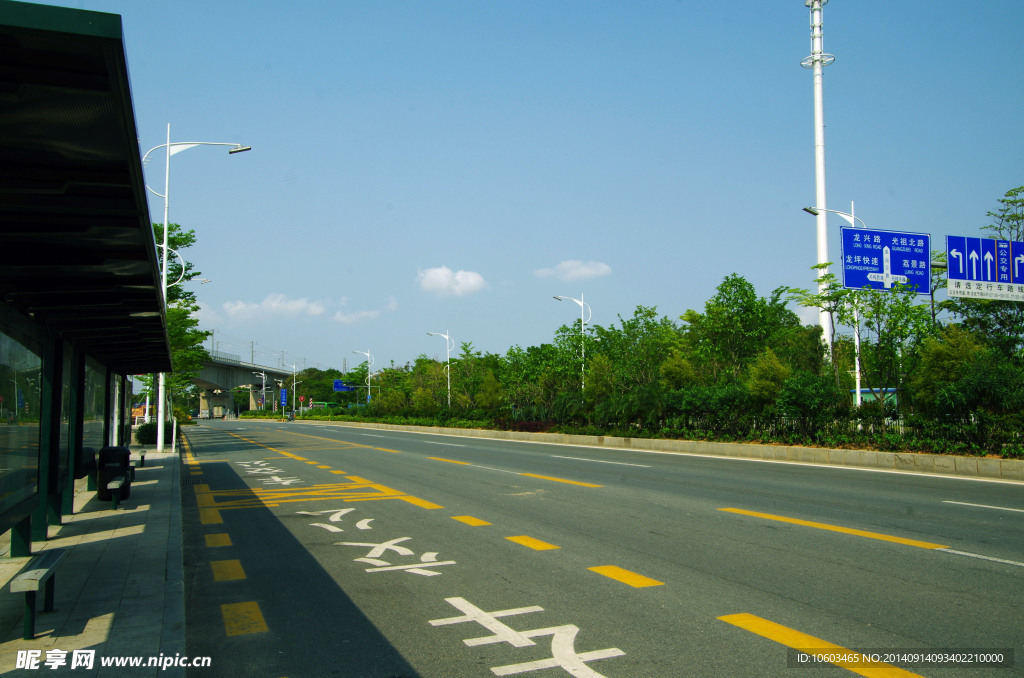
<point x="341" y="386"/>
<point x="880" y="259"/>
<point x="985" y="268"/>
<point x="284" y="397"/>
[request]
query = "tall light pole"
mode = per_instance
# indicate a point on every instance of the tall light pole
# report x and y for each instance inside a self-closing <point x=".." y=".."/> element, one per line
<point x="584" y="308"/>
<point x="852" y="220"/>
<point x="369" y="364"/>
<point x="817" y="62"/>
<point x="173" y="148"/>
<point x="449" y="344"/>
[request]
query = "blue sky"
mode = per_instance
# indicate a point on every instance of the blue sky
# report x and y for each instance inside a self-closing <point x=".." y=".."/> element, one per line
<point x="451" y="166"/>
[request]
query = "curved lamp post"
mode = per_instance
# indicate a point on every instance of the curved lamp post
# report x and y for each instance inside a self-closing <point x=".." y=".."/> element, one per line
<point x="449" y="344"/>
<point x="369" y="364"/>
<point x="852" y="220"/>
<point x="172" y="148"/>
<point x="584" y="308"/>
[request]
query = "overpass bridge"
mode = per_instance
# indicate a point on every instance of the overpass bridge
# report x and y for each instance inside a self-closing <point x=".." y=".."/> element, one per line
<point x="223" y="372"/>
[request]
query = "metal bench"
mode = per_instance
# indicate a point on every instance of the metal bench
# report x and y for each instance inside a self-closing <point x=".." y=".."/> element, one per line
<point x="114" y="487"/>
<point x="38" y="573"/>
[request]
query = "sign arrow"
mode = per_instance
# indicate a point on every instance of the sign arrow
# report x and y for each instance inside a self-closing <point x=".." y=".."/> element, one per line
<point x="988" y="261"/>
<point x="973" y="256"/>
<point x="886" y="277"/>
<point x="959" y="255"/>
<point x="1016" y="261"/>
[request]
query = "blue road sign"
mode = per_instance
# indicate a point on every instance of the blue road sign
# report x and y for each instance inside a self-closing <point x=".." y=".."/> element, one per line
<point x="339" y="385"/>
<point x="284" y="397"/>
<point x="985" y="268"/>
<point x="880" y="259"/>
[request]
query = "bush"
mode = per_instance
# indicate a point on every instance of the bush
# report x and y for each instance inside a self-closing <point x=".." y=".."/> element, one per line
<point x="145" y="434"/>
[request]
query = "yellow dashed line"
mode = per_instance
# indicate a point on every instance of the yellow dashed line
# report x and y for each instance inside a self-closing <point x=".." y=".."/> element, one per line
<point x="837" y="528"/>
<point x="218" y="539"/>
<point x="560" y="480"/>
<point x="243" y="618"/>
<point x="859" y="664"/>
<point x="227" y="570"/>
<point x="470" y="520"/>
<point x="530" y="542"/>
<point x="625" y="576"/>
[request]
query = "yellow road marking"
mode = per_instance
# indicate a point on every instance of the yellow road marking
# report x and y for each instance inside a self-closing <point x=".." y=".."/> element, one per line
<point x="339" y="472"/>
<point x="227" y="570"/>
<point x="530" y="542"/>
<point x="625" y="576"/>
<point x="470" y="520"/>
<point x="323" y="467"/>
<point x="560" y="480"/>
<point x="218" y="539"/>
<point x="243" y="618"/>
<point x="359" y="489"/>
<point x="450" y="461"/>
<point x="210" y="516"/>
<point x="861" y="664"/>
<point x="837" y="528"/>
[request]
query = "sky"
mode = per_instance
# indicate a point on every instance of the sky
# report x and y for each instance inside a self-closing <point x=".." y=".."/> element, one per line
<point x="450" y="166"/>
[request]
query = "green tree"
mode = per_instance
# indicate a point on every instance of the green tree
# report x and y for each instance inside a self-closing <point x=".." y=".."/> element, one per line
<point x="185" y="339"/>
<point x="888" y="323"/>
<point x="736" y="326"/>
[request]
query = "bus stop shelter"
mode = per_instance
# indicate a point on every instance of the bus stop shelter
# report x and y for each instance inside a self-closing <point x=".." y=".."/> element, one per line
<point x="81" y="307"/>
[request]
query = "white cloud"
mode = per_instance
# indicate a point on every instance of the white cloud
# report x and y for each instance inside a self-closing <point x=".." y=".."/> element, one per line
<point x="355" y="316"/>
<point x="443" y="281"/>
<point x="359" y="316"/>
<point x="275" y="304"/>
<point x="573" y="269"/>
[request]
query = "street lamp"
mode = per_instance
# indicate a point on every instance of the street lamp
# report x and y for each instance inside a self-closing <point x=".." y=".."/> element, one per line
<point x="852" y="220"/>
<point x="173" y="148"/>
<point x="369" y="374"/>
<point x="584" y="308"/>
<point x="263" y="391"/>
<point x="449" y="344"/>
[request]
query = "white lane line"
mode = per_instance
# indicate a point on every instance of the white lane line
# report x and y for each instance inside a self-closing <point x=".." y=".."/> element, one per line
<point x="998" y="508"/>
<point x="431" y="442"/>
<point x="600" y="461"/>
<point x="370" y="435"/>
<point x="981" y="557"/>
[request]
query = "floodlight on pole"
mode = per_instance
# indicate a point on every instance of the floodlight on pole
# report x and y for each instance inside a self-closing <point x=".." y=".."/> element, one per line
<point x="852" y="220"/>
<point x="172" y="148"/>
<point x="584" y="308"/>
<point x="449" y="345"/>
<point x="369" y="363"/>
<point x="817" y="62"/>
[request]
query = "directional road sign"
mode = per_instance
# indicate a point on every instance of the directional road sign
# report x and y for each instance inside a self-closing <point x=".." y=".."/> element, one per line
<point x="284" y="397"/>
<point x="985" y="268"/>
<point x="880" y="259"/>
<point x="340" y="385"/>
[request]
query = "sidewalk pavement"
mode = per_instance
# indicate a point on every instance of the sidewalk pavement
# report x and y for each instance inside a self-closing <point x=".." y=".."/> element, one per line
<point x="119" y="591"/>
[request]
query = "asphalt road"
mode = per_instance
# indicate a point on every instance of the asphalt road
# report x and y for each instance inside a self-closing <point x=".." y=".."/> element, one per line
<point x="324" y="550"/>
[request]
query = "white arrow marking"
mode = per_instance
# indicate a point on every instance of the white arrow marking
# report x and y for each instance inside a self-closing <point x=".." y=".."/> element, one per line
<point x="973" y="256"/>
<point x="1016" y="270"/>
<point x="988" y="261"/>
<point x="956" y="253"/>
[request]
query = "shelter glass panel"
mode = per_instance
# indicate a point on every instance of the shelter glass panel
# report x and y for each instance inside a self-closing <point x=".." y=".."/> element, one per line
<point x="20" y="379"/>
<point x="93" y="412"/>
